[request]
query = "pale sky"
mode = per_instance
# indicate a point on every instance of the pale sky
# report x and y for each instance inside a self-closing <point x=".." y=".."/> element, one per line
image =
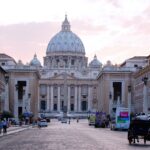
<point x="112" y="29"/>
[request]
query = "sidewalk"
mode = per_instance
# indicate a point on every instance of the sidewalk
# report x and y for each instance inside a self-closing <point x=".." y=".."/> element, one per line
<point x="15" y="129"/>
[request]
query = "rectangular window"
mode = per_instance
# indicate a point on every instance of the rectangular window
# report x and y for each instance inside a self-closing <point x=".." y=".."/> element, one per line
<point x="84" y="105"/>
<point x="72" y="62"/>
<point x="84" y="96"/>
<point x="72" y="107"/>
<point x="55" y="107"/>
<point x="43" y="105"/>
<point x="62" y="105"/>
<point x="20" y="111"/>
<point x="21" y="89"/>
<point x="43" y="90"/>
<point x="117" y="91"/>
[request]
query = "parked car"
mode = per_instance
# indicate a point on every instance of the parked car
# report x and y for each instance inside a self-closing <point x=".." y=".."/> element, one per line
<point x="64" y="120"/>
<point x="42" y="123"/>
<point x="48" y="119"/>
<point x="91" y="120"/>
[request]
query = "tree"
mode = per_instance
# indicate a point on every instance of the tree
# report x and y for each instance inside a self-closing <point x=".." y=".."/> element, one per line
<point x="7" y="114"/>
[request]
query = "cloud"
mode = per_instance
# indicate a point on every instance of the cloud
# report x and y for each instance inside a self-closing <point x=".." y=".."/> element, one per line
<point x="23" y="40"/>
<point x="87" y="27"/>
<point x="118" y="54"/>
<point x="116" y="38"/>
<point x="115" y="3"/>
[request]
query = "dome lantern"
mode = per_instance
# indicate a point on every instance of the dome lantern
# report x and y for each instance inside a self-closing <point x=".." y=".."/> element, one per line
<point x="65" y="25"/>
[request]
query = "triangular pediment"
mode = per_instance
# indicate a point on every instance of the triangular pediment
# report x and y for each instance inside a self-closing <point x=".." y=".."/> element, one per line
<point x="63" y="76"/>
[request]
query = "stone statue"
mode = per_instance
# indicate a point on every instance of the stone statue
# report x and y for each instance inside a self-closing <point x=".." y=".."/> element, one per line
<point x="54" y="63"/>
<point x="61" y="63"/>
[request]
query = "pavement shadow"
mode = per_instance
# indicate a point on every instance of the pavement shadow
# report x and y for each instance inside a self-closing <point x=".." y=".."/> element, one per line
<point x="142" y="145"/>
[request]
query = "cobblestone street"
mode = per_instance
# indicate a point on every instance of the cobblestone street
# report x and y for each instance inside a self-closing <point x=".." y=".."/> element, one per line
<point x="76" y="136"/>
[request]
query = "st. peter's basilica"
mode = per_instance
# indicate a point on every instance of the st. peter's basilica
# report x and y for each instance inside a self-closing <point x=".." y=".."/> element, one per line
<point x="66" y="82"/>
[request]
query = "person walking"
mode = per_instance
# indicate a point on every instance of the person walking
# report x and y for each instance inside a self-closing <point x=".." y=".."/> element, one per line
<point x="38" y="123"/>
<point x="1" y="126"/>
<point x="4" y="126"/>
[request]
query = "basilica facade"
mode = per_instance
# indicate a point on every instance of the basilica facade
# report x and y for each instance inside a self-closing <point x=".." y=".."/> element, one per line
<point x="67" y="83"/>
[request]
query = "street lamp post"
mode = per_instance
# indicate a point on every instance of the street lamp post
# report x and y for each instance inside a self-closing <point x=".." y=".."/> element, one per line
<point x="145" y="103"/>
<point x="129" y="98"/>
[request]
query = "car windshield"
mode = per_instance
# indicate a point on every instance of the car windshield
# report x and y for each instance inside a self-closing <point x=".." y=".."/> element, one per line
<point x="43" y="120"/>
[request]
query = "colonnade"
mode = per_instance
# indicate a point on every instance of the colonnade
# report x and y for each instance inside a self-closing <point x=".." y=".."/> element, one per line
<point x="77" y="98"/>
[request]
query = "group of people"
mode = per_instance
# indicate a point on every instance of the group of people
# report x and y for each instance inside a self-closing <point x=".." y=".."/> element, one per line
<point x="3" y="126"/>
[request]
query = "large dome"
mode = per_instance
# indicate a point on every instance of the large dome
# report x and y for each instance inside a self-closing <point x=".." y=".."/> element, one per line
<point x="65" y="41"/>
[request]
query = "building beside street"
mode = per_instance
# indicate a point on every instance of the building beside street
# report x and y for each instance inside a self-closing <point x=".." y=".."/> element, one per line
<point x="126" y="85"/>
<point x="141" y="89"/>
<point x="66" y="82"/>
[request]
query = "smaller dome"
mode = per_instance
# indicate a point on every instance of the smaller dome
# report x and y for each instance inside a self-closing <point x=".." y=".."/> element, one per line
<point x="95" y="63"/>
<point x="35" y="61"/>
<point x="108" y="63"/>
<point x="20" y="62"/>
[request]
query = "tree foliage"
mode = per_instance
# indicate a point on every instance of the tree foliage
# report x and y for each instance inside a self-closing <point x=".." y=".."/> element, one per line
<point x="6" y="114"/>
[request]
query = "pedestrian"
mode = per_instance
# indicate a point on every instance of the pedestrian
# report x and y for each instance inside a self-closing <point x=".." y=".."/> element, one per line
<point x="4" y="126"/>
<point x="38" y="123"/>
<point x="20" y="123"/>
<point x="1" y="126"/>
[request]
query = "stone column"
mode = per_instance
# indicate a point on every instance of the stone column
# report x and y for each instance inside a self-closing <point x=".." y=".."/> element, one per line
<point x="89" y="98"/>
<point x="145" y="103"/>
<point x="16" y="101"/>
<point x="111" y="100"/>
<point x="110" y="103"/>
<point x="79" y="99"/>
<point x="39" y="98"/>
<point x="123" y="94"/>
<point x="48" y="98"/>
<point x="75" y="100"/>
<point x="145" y="96"/>
<point x="65" y="95"/>
<point x="29" y="102"/>
<point x="27" y="96"/>
<point x="68" y="98"/>
<point x="129" y="99"/>
<point x="52" y="98"/>
<point x="6" y="104"/>
<point x="58" y="98"/>
<point x="25" y="99"/>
